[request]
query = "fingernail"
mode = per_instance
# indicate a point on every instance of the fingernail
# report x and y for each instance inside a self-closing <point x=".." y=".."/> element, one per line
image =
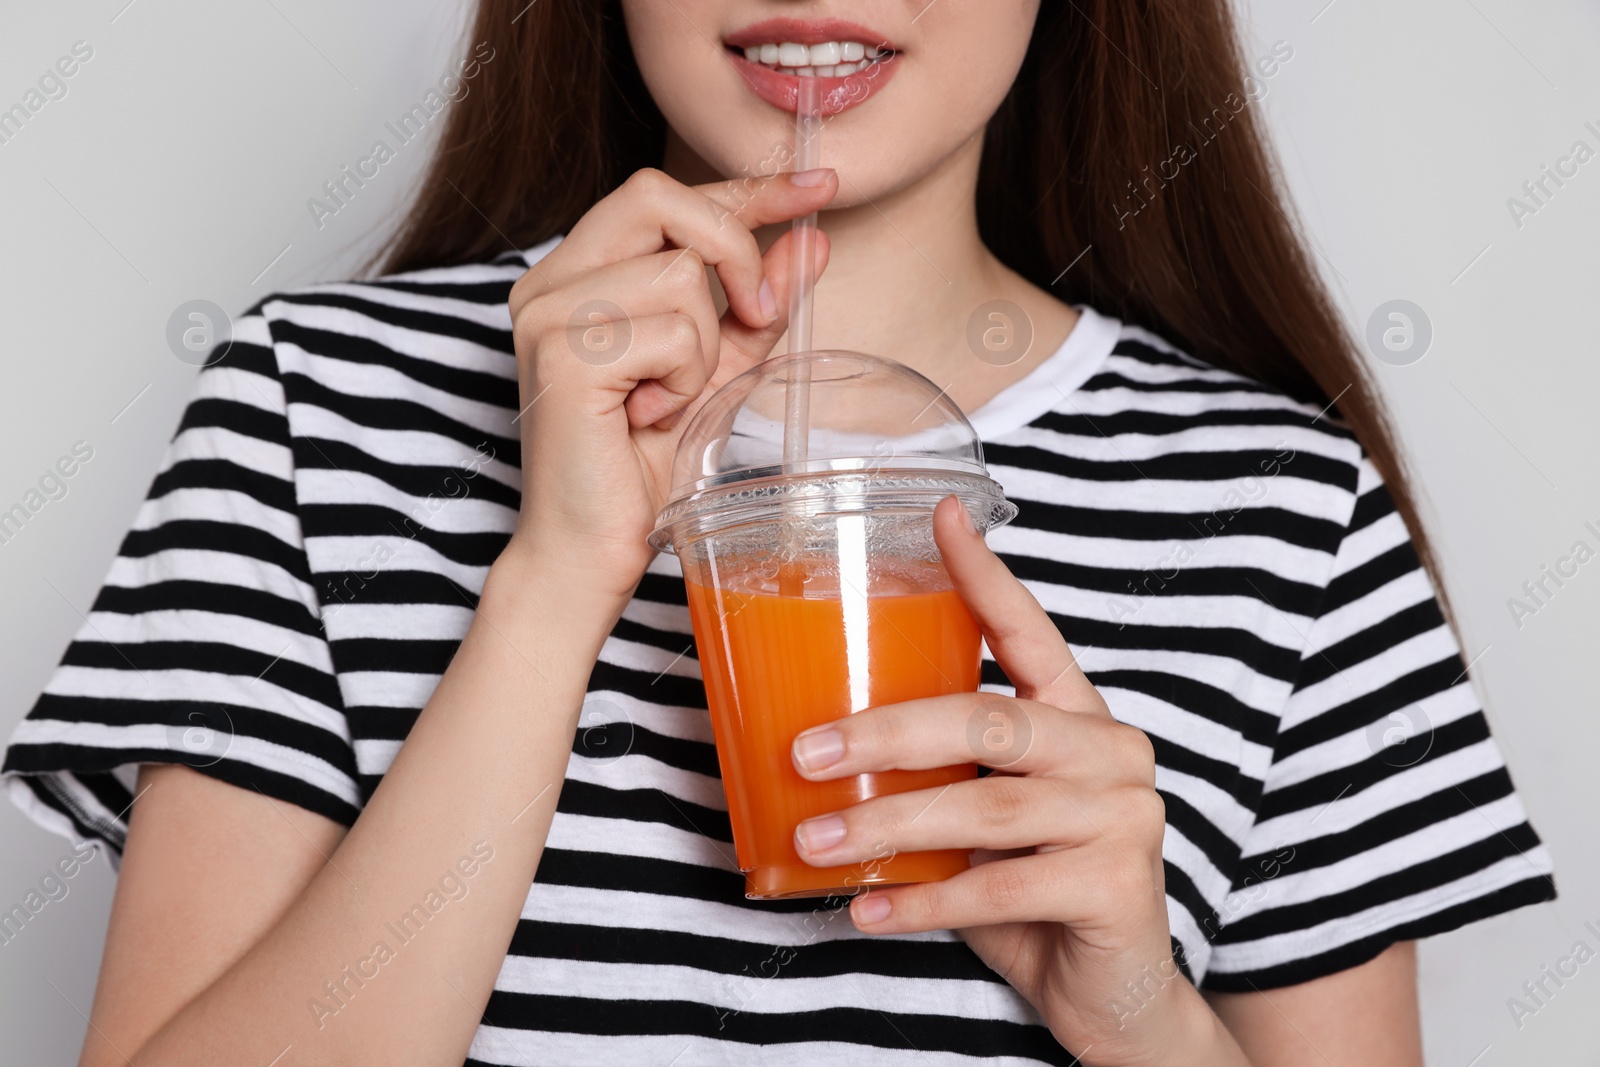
<point x="870" y="908"/>
<point x="810" y="178"/>
<point x="819" y="835"/>
<point x="966" y="520"/>
<point x="769" y="303"/>
<point x="818" y="749"/>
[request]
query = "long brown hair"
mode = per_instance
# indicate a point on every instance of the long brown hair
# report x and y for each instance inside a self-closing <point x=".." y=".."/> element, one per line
<point x="1126" y="149"/>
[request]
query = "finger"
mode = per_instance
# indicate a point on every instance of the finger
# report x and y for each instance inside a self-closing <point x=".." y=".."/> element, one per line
<point x="761" y="201"/>
<point x="661" y="350"/>
<point x="651" y="211"/>
<point x="677" y="283"/>
<point x="745" y="204"/>
<point x="658" y="284"/>
<point x="1001" y="732"/>
<point x="1021" y="736"/>
<point x="994" y="813"/>
<point x="744" y="346"/>
<point x="1020" y="635"/>
<point x="665" y="358"/>
<point x="1096" y="883"/>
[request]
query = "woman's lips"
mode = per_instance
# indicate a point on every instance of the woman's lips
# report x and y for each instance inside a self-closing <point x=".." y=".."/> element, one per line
<point x="782" y="90"/>
<point x="806" y="31"/>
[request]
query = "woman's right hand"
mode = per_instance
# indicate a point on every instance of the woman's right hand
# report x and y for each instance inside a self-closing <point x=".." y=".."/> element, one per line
<point x="618" y="342"/>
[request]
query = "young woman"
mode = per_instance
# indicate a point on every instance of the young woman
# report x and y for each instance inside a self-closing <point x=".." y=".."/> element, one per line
<point x="414" y="510"/>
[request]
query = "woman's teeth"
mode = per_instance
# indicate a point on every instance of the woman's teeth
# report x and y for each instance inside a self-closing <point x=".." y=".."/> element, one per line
<point x="831" y="59"/>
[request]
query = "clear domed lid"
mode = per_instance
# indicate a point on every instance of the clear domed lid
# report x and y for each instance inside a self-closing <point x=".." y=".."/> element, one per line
<point x="876" y="430"/>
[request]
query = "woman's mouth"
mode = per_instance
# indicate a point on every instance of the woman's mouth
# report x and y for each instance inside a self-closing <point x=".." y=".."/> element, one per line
<point x="850" y="61"/>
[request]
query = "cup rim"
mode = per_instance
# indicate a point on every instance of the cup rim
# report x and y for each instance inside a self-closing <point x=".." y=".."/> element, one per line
<point x="836" y="486"/>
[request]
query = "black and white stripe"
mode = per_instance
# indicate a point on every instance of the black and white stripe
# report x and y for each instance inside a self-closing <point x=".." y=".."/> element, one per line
<point x="1224" y="560"/>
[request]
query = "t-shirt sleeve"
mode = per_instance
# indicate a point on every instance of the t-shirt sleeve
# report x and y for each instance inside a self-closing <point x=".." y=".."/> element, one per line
<point x="204" y="646"/>
<point x="1387" y="813"/>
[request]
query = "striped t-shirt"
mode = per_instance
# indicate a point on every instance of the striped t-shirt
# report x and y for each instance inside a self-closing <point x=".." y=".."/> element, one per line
<point x="1224" y="561"/>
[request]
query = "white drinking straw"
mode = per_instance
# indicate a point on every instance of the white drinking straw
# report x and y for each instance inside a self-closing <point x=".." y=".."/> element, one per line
<point x="802" y="280"/>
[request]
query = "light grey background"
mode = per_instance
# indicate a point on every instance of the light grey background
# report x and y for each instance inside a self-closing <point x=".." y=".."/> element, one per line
<point x="178" y="166"/>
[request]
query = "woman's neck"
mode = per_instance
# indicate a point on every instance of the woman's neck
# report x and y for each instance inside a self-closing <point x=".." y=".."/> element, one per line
<point x="908" y="271"/>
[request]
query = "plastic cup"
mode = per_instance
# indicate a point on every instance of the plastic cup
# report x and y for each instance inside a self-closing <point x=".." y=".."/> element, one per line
<point x="816" y="591"/>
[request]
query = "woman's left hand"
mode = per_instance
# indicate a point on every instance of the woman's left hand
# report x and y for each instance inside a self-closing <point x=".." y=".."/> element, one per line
<point x="1066" y="896"/>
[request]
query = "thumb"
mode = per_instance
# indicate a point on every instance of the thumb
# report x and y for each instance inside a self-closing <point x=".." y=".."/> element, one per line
<point x="1021" y="636"/>
<point x="744" y="346"/>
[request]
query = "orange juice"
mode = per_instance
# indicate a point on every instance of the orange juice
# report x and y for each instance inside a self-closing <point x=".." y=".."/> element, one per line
<point x="780" y="657"/>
